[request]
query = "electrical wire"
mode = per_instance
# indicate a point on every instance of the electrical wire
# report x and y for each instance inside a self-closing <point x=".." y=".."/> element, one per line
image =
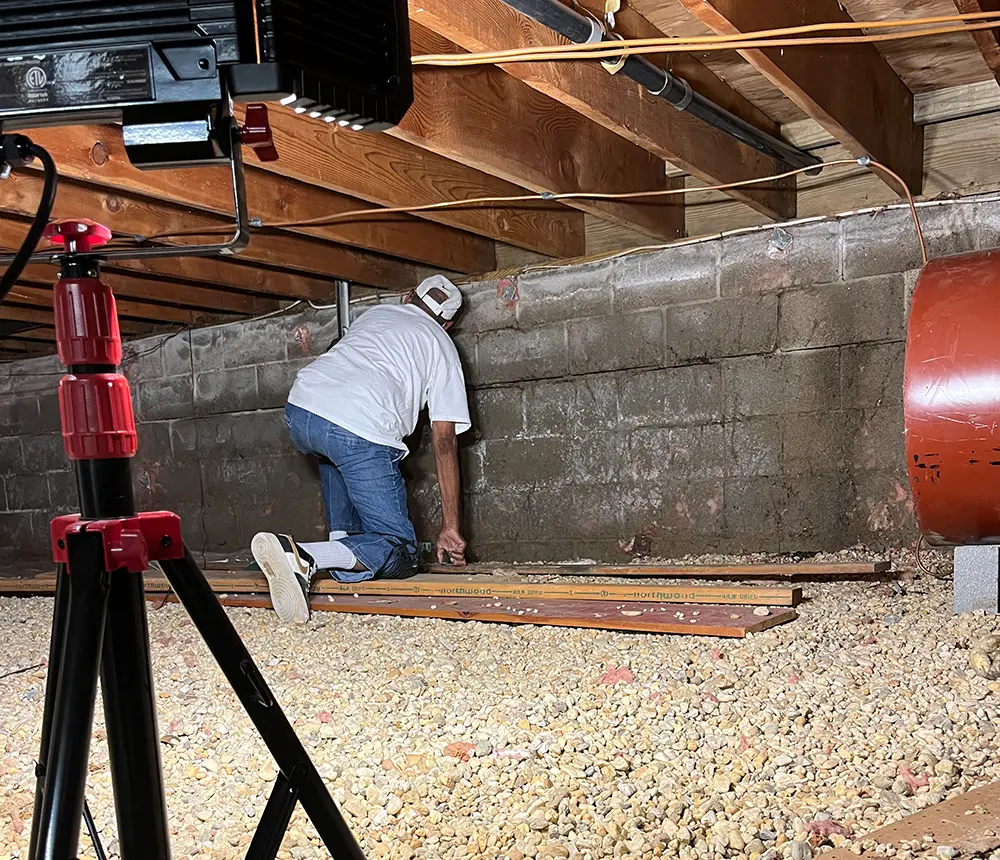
<point x="38" y="224"/>
<point x="740" y="41"/>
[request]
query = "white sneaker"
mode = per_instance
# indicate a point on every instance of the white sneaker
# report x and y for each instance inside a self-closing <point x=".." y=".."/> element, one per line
<point x="289" y="570"/>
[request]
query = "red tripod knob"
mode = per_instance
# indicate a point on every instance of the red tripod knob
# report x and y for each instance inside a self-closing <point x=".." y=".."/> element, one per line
<point x="77" y="236"/>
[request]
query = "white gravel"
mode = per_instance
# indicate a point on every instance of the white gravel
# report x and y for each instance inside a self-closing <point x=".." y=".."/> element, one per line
<point x="449" y="739"/>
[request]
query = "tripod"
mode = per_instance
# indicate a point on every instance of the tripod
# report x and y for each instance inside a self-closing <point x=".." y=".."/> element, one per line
<point x="99" y="622"/>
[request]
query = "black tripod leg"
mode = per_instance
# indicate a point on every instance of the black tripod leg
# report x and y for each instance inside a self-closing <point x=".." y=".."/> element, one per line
<point x="72" y="714"/>
<point x="130" y="716"/>
<point x="274" y="821"/>
<point x="193" y="590"/>
<point x="56" y="643"/>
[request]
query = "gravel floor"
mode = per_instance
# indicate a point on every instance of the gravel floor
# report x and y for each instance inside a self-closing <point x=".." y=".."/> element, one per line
<point x="447" y="739"/>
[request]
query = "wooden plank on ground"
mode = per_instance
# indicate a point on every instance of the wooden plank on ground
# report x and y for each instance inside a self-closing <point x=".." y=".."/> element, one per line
<point x="725" y="621"/>
<point x="969" y="823"/>
<point x="428" y="585"/>
<point x="739" y="571"/>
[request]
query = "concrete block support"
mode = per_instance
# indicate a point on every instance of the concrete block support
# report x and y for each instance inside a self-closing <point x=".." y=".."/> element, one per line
<point x="977" y="579"/>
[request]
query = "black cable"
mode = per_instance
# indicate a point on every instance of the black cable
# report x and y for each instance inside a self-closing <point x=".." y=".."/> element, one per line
<point x="23" y="153"/>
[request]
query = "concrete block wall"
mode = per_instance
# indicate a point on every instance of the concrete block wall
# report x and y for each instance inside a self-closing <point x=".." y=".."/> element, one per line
<point x="741" y="394"/>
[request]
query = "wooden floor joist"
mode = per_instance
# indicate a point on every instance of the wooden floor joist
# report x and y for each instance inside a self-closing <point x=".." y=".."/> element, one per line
<point x="724" y="621"/>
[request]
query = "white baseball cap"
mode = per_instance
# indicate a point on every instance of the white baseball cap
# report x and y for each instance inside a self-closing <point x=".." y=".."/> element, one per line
<point x="453" y="296"/>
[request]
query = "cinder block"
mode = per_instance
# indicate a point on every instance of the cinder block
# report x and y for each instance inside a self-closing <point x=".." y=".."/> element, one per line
<point x="498" y="413"/>
<point x="616" y="342"/>
<point x="816" y="514"/>
<point x="879" y="444"/>
<point x="550" y="406"/>
<point x="467" y="344"/>
<point x="738" y="326"/>
<point x="154" y="440"/>
<point x="818" y="442"/>
<point x="25" y="535"/>
<point x="244" y="434"/>
<point x="162" y="399"/>
<point x="599" y="457"/>
<point x="231" y="390"/>
<point x="977" y="579"/>
<point x="666" y="510"/>
<point x="526" y="462"/>
<point x="240" y="344"/>
<point x="555" y="295"/>
<point x="27" y="493"/>
<point x="881" y="513"/>
<point x="183" y="438"/>
<point x="43" y="454"/>
<point x="665" y="453"/>
<point x="63" y="496"/>
<point x="771" y="261"/>
<point x="482" y="309"/>
<point x="513" y="355"/>
<point x="49" y="419"/>
<point x="11" y="455"/>
<point x="143" y="359"/>
<point x="753" y="447"/>
<point x="311" y="334"/>
<point x="807" y="381"/>
<point x="753" y="509"/>
<point x="675" y="396"/>
<point x="19" y="415"/>
<point x="873" y="374"/>
<point x="844" y="313"/>
<point x="499" y="517"/>
<point x="687" y="273"/>
<point x="887" y="241"/>
<point x="275" y="380"/>
<point x="582" y="513"/>
<point x="596" y="404"/>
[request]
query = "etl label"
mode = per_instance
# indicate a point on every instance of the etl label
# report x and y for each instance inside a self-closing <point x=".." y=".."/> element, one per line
<point x="73" y="79"/>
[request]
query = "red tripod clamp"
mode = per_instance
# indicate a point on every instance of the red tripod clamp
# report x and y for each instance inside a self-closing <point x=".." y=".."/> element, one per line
<point x="131" y="543"/>
<point x="256" y="133"/>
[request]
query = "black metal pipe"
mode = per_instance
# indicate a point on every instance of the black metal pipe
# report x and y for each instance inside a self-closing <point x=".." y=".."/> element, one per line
<point x="678" y="92"/>
<point x="105" y="488"/>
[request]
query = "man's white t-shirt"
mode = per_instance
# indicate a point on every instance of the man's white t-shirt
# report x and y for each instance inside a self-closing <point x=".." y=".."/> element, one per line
<point x="393" y="360"/>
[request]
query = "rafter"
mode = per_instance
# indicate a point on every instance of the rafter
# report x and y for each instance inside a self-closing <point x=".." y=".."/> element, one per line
<point x="849" y="89"/>
<point x="96" y="154"/>
<point x="987" y="40"/>
<point x="610" y="100"/>
<point x="491" y="121"/>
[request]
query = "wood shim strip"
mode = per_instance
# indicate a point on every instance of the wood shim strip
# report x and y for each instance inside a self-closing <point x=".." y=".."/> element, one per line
<point x="740" y="571"/>
<point x="724" y="621"/>
<point x="948" y="824"/>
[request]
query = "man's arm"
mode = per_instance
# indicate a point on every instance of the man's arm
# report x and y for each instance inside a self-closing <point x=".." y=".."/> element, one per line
<point x="450" y="542"/>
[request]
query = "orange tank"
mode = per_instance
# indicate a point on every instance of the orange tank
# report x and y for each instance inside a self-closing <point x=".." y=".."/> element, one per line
<point x="952" y="399"/>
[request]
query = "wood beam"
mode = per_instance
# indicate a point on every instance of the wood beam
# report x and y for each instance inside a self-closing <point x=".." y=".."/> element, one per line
<point x="987" y="40"/>
<point x="849" y="89"/>
<point x="389" y="172"/>
<point x="611" y="100"/>
<point x="96" y="154"/>
<point x="36" y="297"/>
<point x="489" y="120"/>
<point x="47" y="318"/>
<point x="631" y="24"/>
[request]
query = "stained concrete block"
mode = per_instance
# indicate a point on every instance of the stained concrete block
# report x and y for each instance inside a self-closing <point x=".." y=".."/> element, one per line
<point x="586" y="513"/>
<point x="806" y="381"/>
<point x="63" y="497"/>
<point x="683" y="274"/>
<point x="25" y="535"/>
<point x="11" y="455"/>
<point x="616" y="342"/>
<point x="275" y="380"/>
<point x="222" y="391"/>
<point x="887" y="241"/>
<point x="872" y="375"/>
<point x="514" y="355"/>
<point x="160" y="399"/>
<point x="600" y="457"/>
<point x="240" y="345"/>
<point x="663" y="510"/>
<point x="247" y="434"/>
<point x="483" y="310"/>
<point x="881" y="513"/>
<point x="42" y="454"/>
<point x="771" y="261"/>
<point x="818" y="442"/>
<point x="19" y="414"/>
<point x="727" y="327"/>
<point x="664" y="453"/>
<point x="815" y="517"/>
<point x="753" y="446"/>
<point x="977" y="579"/>
<point x="871" y="309"/>
<point x="880" y="441"/>
<point x="526" y="462"/>
<point x="670" y="397"/>
<point x="556" y="295"/>
<point x="498" y="413"/>
<point x="550" y="406"/>
<point x="753" y="509"/>
<point x="49" y="418"/>
<point x="499" y="517"/>
<point x="27" y="493"/>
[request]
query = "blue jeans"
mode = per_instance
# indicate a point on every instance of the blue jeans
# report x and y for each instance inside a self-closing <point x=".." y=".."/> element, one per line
<point x="364" y="494"/>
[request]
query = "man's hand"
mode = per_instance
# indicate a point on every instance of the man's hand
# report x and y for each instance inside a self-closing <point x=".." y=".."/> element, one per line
<point x="451" y="544"/>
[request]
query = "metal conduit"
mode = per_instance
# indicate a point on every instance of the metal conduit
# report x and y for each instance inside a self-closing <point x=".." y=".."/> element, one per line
<point x="678" y="92"/>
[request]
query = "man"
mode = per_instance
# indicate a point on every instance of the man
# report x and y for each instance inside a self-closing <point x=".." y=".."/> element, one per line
<point x="352" y="408"/>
